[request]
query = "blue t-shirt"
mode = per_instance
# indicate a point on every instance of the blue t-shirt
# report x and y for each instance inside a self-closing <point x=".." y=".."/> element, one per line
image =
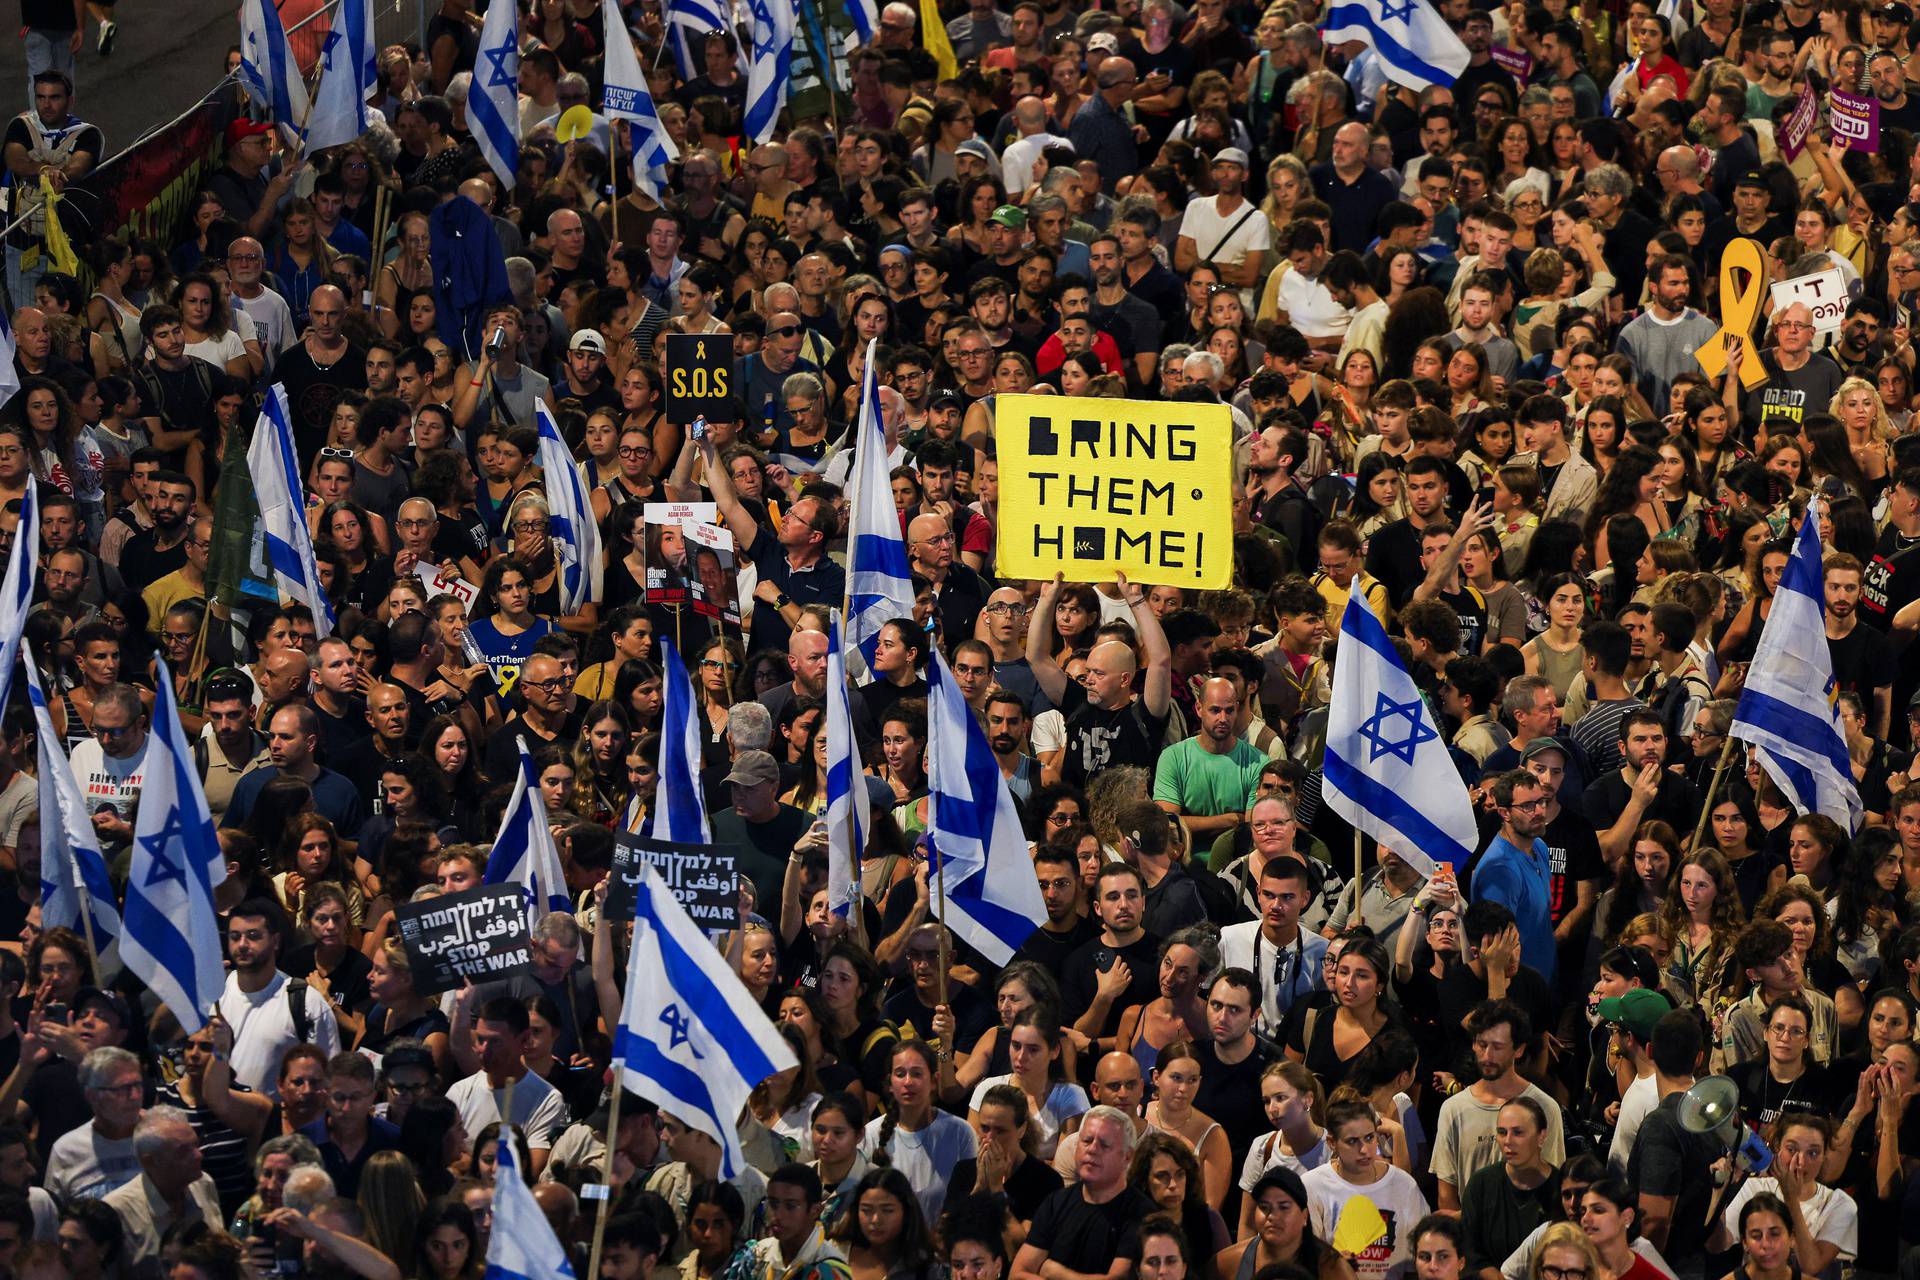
<point x="1518" y="879"/>
<point x="506" y="654"/>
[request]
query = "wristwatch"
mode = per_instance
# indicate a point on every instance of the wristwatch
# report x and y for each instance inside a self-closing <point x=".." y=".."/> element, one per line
<point x="781" y="599"/>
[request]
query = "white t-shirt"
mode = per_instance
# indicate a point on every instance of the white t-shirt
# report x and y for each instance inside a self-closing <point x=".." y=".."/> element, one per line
<point x="1049" y="731"/>
<point x="1064" y="1102"/>
<point x="263" y="1030"/>
<point x="1832" y="1217"/>
<point x="83" y="1165"/>
<point x="1267" y="1154"/>
<point x="1017" y="161"/>
<point x="1395" y="1195"/>
<point x="1310" y="307"/>
<point x="1641" y="1097"/>
<point x="928" y="1156"/>
<point x="1227" y="239"/>
<point x="109" y="781"/>
<point x="272" y="322"/>
<point x="539" y="1112"/>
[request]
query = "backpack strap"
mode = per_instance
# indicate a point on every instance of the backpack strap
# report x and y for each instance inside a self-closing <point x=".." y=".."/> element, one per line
<point x="297" y="1010"/>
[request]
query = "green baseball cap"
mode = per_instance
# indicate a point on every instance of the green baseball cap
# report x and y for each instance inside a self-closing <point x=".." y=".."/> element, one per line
<point x="1639" y="1011"/>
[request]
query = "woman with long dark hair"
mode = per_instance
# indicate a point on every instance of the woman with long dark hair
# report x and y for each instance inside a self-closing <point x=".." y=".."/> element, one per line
<point x="883" y="1231"/>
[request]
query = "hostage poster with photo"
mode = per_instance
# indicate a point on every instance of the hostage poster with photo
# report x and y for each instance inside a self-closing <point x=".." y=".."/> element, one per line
<point x="716" y="583"/>
<point x="670" y="566"/>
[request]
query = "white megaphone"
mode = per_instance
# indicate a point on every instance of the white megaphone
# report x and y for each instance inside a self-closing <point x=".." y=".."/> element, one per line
<point x="1712" y="1106"/>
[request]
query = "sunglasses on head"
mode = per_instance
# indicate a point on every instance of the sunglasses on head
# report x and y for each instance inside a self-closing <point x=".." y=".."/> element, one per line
<point x="784" y="331"/>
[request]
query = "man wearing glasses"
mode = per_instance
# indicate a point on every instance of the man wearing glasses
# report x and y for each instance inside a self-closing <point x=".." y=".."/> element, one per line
<point x="188" y="582"/>
<point x="762" y="376"/>
<point x="272" y="317"/>
<point x="1516" y="868"/>
<point x="1799" y="381"/>
<point x="111" y="765"/>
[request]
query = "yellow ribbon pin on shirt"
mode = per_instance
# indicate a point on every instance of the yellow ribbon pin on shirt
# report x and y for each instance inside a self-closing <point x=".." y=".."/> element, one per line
<point x="1740" y="302"/>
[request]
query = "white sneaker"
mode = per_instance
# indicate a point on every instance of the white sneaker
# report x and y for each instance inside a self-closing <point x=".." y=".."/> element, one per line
<point x="107" y="32"/>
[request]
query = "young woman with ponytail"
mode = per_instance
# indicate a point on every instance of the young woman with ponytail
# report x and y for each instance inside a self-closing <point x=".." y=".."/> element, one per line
<point x="912" y="1134"/>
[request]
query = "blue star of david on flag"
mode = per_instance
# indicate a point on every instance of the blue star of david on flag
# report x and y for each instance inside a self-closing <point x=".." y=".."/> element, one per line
<point x="501" y="77"/>
<point x="676" y="1022"/>
<point x="172" y="830"/>
<point x="1392" y="11"/>
<point x="1374" y="730"/>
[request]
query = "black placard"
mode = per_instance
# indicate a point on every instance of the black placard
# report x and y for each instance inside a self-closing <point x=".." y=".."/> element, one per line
<point x="477" y="933"/>
<point x="700" y="876"/>
<point x="699" y="377"/>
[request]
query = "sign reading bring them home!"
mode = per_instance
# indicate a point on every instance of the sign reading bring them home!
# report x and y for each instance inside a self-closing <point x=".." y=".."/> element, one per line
<point x="1091" y="488"/>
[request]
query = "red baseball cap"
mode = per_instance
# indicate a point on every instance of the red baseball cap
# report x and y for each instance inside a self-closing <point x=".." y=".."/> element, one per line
<point x="247" y="129"/>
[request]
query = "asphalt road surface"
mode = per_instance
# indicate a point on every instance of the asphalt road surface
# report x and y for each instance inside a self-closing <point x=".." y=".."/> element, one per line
<point x="166" y="54"/>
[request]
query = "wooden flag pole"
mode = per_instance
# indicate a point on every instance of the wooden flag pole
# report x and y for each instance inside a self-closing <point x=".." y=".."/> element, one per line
<point x="606" y="1205"/>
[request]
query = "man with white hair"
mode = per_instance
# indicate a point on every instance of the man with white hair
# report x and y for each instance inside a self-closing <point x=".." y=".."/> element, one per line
<point x="898" y="23"/>
<point x="171" y="1189"/>
<point x="1079" y="1229"/>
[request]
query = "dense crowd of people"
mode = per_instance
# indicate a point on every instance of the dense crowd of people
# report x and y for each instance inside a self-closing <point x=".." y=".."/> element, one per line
<point x="1457" y="328"/>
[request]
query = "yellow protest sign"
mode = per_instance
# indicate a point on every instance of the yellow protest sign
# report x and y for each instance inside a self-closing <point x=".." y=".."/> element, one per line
<point x="1092" y="487"/>
<point x="1743" y="287"/>
<point x="1360" y="1226"/>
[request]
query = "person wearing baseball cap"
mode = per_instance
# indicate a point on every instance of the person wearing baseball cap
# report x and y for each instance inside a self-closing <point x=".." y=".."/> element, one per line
<point x="1633" y="1015"/>
<point x="762" y="830"/>
<point x="1225" y="229"/>
<point x="247" y="194"/>
<point x="584" y="373"/>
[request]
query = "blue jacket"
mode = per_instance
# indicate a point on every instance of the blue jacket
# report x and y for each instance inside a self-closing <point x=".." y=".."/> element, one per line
<point x="470" y="273"/>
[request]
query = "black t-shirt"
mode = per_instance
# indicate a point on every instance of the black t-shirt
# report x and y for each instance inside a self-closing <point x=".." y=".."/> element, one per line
<point x="1050" y="950"/>
<point x="1675" y="803"/>
<point x="1393" y="556"/>
<point x="1573" y="856"/>
<point x="1892" y="580"/>
<point x="1764" y="1099"/>
<point x="763" y="847"/>
<point x="1098" y="738"/>
<point x="1471" y="609"/>
<point x="972" y="1015"/>
<point x="1790" y="393"/>
<point x="1082" y="974"/>
<point x="1862" y="661"/>
<point x="1669" y="1161"/>
<point x="313" y="390"/>
<point x="143" y="562"/>
<point x="1230" y="1093"/>
<point x="1462" y="990"/>
<point x="1028" y="1187"/>
<point x="1088" y="1237"/>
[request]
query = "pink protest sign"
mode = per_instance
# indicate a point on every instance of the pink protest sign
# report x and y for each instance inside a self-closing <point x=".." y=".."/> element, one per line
<point x="1854" y="120"/>
<point x="1795" y="128"/>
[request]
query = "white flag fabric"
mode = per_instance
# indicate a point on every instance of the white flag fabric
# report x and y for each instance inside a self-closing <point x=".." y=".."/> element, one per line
<point x="522" y="1245"/>
<point x="16" y="588"/>
<point x="9" y="374"/>
<point x="283" y="509"/>
<point x="691" y="1039"/>
<point x="524" y="852"/>
<point x="349" y="74"/>
<point x="1787" y="708"/>
<point x="879" y="579"/>
<point x="572" y="531"/>
<point x="1415" y="45"/>
<point x="73" y="872"/>
<point x="679" y="810"/>
<point x="625" y="97"/>
<point x="1386" y="770"/>
<point x="268" y="70"/>
<point x="992" y="896"/>
<point x="849" y="808"/>
<point x="493" y="103"/>
<point x="771" y="68"/>
<point x="170" y="935"/>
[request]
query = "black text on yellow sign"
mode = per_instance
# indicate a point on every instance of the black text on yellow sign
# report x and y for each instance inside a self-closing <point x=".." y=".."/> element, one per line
<point x="1092" y="488"/>
<point x="699" y="377"/>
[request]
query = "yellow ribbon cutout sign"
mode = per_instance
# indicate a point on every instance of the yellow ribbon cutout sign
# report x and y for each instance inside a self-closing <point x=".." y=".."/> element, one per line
<point x="1739" y="309"/>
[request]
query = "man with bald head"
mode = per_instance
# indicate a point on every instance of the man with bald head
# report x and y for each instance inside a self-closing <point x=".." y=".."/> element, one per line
<point x="247" y="290"/>
<point x="1100" y="132"/>
<point x="1678" y="169"/>
<point x="391" y="732"/>
<point x="958" y="592"/>
<point x="1355" y="191"/>
<point x="807" y="659"/>
<point x="567" y="243"/>
<point x="283" y="677"/>
<point x="762" y="376"/>
<point x="417" y="524"/>
<point x="1107" y="723"/>
<point x="1117" y="1083"/>
<point x="33" y="345"/>
<point x="316" y="370"/>
<point x="1208" y="779"/>
<point x="1030" y="126"/>
<point x="1002" y="627"/>
<point x="293" y="738"/>
<point x="1798" y="382"/>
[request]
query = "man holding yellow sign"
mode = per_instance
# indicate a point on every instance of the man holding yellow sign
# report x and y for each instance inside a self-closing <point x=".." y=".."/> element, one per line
<point x="1094" y="487"/>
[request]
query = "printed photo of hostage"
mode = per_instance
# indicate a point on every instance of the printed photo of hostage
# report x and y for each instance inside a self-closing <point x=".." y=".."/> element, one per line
<point x="669" y="576"/>
<point x="716" y="585"/>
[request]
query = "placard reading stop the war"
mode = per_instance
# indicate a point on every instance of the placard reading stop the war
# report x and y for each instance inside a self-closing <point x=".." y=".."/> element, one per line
<point x="1092" y="488"/>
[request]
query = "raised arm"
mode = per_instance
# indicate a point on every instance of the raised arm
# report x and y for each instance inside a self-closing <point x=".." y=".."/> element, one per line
<point x="737" y="517"/>
<point x="1046" y="672"/>
<point x="1158" y="692"/>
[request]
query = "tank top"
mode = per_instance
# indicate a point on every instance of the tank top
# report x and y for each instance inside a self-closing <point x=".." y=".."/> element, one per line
<point x="77" y="731"/>
<point x="1560" y="669"/>
<point x="126" y="328"/>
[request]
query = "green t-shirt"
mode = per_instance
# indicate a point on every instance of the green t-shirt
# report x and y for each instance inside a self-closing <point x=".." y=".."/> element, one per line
<point x="1206" y="785"/>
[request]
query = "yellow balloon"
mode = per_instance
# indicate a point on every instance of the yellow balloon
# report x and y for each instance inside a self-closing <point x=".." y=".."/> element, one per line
<point x="1359" y="1227"/>
<point x="574" y="123"/>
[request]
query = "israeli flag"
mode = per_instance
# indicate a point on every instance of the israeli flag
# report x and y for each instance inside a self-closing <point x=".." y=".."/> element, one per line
<point x="691" y="1039"/>
<point x="283" y="509"/>
<point x="16" y="588"/>
<point x="1415" y="45"/>
<point x="1787" y="708"/>
<point x="879" y="580"/>
<point x="170" y="935"/>
<point x="679" y="810"/>
<point x="349" y="74"/>
<point x="524" y="852"/>
<point x="688" y="22"/>
<point x="993" y="899"/>
<point x="625" y="97"/>
<point x="771" y="68"/>
<point x="523" y="1245"/>
<point x="849" y="808"/>
<point x="268" y="71"/>
<point x="1387" y="770"/>
<point x="493" y="104"/>
<point x="73" y="873"/>
<point x="9" y="372"/>
<point x="571" y="529"/>
<point x="866" y="23"/>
